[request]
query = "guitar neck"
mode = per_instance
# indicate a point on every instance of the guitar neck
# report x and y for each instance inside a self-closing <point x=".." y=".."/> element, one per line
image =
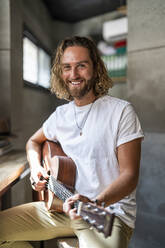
<point x="94" y="215"/>
<point x="58" y="189"/>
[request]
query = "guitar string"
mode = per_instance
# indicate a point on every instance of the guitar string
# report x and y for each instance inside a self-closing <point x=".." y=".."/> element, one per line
<point x="64" y="192"/>
<point x="61" y="193"/>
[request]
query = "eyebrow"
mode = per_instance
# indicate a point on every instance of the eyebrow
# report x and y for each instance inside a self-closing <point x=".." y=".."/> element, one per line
<point x="79" y="62"/>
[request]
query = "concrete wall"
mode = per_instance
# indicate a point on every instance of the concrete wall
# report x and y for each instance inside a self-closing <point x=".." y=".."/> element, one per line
<point x="146" y="89"/>
<point x="146" y="51"/>
<point x="149" y="232"/>
<point x="5" y="58"/>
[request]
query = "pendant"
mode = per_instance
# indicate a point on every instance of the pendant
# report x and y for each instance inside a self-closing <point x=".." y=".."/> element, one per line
<point x="81" y="133"/>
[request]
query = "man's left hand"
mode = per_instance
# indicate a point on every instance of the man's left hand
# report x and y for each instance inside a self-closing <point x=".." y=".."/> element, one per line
<point x="68" y="205"/>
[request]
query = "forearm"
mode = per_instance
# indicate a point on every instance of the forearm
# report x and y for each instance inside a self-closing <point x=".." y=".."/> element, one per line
<point x="121" y="187"/>
<point x="128" y="156"/>
<point x="33" y="150"/>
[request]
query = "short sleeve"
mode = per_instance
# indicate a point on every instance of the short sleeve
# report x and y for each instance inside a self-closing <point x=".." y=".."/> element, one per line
<point x="49" y="127"/>
<point x="129" y="127"/>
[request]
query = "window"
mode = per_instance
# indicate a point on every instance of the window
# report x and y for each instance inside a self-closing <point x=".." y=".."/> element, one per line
<point x="36" y="64"/>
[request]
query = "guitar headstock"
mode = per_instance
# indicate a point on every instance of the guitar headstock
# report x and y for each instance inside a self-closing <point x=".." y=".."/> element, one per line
<point x="97" y="216"/>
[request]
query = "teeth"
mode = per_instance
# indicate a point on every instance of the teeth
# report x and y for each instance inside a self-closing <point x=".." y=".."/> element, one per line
<point x="75" y="83"/>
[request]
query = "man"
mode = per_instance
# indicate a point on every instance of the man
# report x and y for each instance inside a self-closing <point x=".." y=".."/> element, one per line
<point x="102" y="135"/>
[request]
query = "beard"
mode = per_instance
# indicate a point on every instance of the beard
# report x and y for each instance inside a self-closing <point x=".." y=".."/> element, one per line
<point x="81" y="92"/>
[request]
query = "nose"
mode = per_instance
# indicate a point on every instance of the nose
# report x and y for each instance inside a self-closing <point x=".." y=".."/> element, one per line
<point x="74" y="73"/>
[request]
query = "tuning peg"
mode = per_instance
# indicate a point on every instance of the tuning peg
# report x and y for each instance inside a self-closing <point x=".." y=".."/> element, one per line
<point x="88" y="206"/>
<point x="92" y="222"/>
<point x="103" y="213"/>
<point x="100" y="228"/>
<point x="86" y="218"/>
<point x="95" y="210"/>
<point x="97" y="202"/>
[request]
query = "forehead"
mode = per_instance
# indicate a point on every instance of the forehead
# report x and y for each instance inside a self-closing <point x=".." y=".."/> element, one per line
<point x="75" y="54"/>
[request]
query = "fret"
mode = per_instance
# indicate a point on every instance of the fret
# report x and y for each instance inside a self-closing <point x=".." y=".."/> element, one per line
<point x="58" y="189"/>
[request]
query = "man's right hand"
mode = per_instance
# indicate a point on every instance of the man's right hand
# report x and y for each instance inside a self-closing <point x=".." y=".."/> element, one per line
<point x="38" y="178"/>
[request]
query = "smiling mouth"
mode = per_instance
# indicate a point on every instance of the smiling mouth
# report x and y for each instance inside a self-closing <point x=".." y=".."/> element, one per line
<point x="75" y="82"/>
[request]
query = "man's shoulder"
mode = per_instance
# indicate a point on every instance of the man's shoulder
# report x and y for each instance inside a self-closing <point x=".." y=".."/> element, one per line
<point x="114" y="101"/>
<point x="64" y="106"/>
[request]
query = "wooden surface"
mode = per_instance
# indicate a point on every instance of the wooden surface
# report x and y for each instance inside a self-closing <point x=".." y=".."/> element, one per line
<point x="12" y="165"/>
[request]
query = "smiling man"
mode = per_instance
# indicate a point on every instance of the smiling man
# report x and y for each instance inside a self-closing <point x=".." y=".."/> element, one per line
<point x="102" y="135"/>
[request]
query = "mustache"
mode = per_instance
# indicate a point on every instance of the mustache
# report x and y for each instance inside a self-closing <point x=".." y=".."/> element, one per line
<point x="76" y="79"/>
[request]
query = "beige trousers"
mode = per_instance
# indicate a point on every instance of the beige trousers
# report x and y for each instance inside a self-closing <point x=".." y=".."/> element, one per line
<point x="32" y="221"/>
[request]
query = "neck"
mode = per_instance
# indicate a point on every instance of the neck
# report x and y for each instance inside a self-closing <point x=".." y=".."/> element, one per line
<point x="87" y="99"/>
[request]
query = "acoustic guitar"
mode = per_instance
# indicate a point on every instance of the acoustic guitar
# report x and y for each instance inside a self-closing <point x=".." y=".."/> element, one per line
<point x="60" y="186"/>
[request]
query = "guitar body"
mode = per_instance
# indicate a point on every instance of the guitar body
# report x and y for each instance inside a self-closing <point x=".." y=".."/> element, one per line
<point x="62" y="168"/>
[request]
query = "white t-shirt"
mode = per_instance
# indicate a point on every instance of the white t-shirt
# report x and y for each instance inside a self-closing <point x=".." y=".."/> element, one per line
<point x="110" y="123"/>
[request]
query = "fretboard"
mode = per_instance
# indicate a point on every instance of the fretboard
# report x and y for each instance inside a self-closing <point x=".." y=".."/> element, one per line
<point x="58" y="189"/>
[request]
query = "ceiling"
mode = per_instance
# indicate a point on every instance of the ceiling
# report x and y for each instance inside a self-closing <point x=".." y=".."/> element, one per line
<point x="77" y="10"/>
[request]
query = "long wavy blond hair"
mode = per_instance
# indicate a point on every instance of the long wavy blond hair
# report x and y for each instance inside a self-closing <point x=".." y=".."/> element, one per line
<point x="102" y="81"/>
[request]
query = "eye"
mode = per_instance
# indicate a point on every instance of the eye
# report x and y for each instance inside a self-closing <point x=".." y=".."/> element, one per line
<point x="81" y="65"/>
<point x="66" y="68"/>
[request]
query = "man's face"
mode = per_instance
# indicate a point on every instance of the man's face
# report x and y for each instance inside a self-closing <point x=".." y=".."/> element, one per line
<point x="77" y="71"/>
